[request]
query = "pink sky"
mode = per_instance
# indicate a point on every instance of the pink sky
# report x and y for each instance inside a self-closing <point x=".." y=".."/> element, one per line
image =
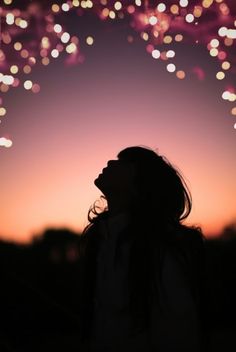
<point x="83" y="116"/>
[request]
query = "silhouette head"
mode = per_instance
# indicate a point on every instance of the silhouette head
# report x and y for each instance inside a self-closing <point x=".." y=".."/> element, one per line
<point x="143" y="182"/>
<point x="117" y="179"/>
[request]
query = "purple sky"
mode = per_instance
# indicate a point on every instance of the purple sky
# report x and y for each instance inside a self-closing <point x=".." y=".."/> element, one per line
<point x="84" y="115"/>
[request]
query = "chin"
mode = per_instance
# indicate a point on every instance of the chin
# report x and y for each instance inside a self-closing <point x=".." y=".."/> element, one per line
<point x="100" y="184"/>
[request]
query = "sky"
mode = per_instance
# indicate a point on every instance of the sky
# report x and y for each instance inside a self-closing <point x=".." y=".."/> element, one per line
<point x="85" y="114"/>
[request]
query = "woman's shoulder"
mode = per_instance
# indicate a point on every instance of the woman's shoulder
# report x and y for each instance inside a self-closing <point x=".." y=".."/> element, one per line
<point x="188" y="241"/>
<point x="184" y="253"/>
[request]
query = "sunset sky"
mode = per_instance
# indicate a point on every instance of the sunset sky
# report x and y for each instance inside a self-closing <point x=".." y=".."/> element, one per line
<point x="85" y="114"/>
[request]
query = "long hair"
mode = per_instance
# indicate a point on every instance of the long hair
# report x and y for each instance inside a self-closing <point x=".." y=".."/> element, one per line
<point x="161" y="190"/>
<point x="161" y="202"/>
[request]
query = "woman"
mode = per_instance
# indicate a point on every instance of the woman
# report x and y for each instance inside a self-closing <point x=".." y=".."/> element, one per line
<point x="142" y="269"/>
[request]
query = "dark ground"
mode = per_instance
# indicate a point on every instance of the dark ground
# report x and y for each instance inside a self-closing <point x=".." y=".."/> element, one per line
<point x="40" y="293"/>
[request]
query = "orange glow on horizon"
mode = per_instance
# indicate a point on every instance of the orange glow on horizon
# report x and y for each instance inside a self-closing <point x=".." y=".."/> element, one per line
<point x="58" y="193"/>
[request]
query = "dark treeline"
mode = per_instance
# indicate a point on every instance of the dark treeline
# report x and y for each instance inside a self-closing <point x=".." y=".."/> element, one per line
<point x="40" y="292"/>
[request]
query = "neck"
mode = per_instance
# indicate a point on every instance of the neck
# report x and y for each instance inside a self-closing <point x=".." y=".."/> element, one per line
<point x="118" y="205"/>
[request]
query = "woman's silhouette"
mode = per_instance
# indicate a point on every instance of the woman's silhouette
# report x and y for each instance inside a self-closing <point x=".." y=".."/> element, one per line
<point x="142" y="270"/>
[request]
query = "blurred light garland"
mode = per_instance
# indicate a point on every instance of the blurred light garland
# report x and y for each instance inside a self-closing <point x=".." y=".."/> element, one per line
<point x="35" y="34"/>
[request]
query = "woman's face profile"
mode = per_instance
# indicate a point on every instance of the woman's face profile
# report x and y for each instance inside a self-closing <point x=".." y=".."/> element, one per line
<point x="117" y="179"/>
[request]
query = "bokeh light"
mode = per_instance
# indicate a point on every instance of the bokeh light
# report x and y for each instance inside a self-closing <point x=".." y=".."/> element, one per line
<point x="183" y="3"/>
<point x="180" y="74"/>
<point x="189" y="18"/>
<point x="5" y="142"/>
<point x="89" y="40"/>
<point x="170" y="53"/>
<point x="36" y="34"/>
<point x="28" y="84"/>
<point x="55" y="53"/>
<point x="233" y="111"/>
<point x="220" y="75"/>
<point x="156" y="54"/>
<point x="225" y="65"/>
<point x="161" y="7"/>
<point x="65" y="37"/>
<point x="171" y="68"/>
<point x="2" y="112"/>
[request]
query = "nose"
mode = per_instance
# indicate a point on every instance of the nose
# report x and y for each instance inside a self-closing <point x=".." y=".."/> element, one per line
<point x="110" y="162"/>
